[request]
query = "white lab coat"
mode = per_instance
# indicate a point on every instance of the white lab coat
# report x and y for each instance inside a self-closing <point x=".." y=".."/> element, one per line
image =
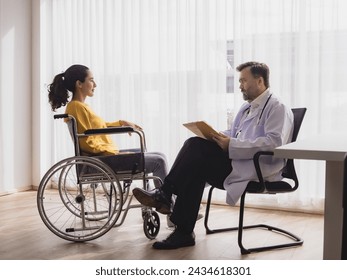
<point x="262" y="129"/>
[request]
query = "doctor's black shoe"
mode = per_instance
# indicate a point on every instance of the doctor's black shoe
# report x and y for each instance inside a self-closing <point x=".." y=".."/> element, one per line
<point x="175" y="240"/>
<point x="155" y="198"/>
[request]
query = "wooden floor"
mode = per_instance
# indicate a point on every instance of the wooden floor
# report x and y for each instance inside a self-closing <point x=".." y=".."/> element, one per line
<point x="23" y="236"/>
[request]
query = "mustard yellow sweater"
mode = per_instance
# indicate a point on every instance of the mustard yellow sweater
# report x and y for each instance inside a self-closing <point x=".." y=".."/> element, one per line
<point x="87" y="119"/>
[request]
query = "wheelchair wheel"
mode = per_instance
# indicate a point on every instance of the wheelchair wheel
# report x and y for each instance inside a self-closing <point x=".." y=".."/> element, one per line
<point x="151" y="224"/>
<point x="79" y="199"/>
<point x="69" y="196"/>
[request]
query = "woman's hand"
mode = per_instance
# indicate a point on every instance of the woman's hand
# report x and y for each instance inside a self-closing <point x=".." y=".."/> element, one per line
<point x="126" y="123"/>
<point x="222" y="141"/>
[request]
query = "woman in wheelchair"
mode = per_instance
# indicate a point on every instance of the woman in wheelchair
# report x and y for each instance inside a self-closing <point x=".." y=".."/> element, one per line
<point x="79" y="80"/>
<point x="82" y="197"/>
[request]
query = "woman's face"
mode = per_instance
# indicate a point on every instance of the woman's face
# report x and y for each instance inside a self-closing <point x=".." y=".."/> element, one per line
<point x="88" y="86"/>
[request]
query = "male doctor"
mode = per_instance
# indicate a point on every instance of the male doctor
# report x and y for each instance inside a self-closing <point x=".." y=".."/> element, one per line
<point x="263" y="123"/>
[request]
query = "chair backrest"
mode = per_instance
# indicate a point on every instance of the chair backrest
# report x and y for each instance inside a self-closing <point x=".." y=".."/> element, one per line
<point x="289" y="169"/>
<point x="72" y="126"/>
<point x="299" y="114"/>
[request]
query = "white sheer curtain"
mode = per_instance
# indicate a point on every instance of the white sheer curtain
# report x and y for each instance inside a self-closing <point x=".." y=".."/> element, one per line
<point x="304" y="42"/>
<point x="160" y="63"/>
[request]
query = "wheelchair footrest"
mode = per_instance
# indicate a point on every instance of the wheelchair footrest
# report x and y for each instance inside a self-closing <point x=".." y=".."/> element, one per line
<point x="95" y="213"/>
<point x="80" y="229"/>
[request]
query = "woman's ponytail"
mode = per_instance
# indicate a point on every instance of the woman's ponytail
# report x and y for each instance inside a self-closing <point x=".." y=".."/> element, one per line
<point x="58" y="95"/>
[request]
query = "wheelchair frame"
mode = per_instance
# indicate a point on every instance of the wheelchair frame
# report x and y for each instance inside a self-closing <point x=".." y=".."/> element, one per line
<point x="81" y="198"/>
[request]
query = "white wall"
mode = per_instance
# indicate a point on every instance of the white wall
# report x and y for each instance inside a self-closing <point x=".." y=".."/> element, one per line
<point x="15" y="95"/>
<point x="40" y="128"/>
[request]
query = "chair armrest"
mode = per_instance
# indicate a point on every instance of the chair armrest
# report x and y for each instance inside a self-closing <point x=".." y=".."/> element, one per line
<point x="118" y="130"/>
<point x="256" y="158"/>
<point x="109" y="130"/>
<point x="98" y="131"/>
<point x="106" y="130"/>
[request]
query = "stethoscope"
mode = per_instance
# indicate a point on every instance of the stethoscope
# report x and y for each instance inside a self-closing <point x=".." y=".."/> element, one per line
<point x="261" y="114"/>
<point x="262" y="110"/>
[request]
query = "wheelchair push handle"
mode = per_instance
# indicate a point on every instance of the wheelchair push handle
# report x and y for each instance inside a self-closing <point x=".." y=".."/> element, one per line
<point x="60" y="116"/>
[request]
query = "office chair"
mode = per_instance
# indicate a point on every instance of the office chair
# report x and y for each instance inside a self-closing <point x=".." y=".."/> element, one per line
<point x="263" y="187"/>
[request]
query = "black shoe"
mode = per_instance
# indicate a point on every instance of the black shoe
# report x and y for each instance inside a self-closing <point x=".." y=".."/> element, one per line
<point x="155" y="198"/>
<point x="175" y="240"/>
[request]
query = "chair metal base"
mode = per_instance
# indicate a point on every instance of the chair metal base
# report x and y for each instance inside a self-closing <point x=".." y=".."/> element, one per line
<point x="297" y="240"/>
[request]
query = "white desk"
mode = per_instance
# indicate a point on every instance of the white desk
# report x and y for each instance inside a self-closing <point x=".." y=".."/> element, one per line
<point x="332" y="149"/>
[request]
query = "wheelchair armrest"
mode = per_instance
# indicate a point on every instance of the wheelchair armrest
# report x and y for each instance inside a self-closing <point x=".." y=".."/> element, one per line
<point x="109" y="130"/>
<point x="256" y="158"/>
<point x="118" y="130"/>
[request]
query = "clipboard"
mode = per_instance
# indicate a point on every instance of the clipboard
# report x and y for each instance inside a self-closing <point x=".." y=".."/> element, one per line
<point x="201" y="129"/>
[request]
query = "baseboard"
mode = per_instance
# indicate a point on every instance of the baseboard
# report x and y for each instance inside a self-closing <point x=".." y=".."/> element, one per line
<point x="17" y="190"/>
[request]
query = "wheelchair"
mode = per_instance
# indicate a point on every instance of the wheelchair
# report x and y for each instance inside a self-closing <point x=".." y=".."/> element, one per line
<point x="81" y="198"/>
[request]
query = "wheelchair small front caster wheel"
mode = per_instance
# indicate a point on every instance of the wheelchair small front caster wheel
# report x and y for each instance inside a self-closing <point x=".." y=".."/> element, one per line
<point x="151" y="224"/>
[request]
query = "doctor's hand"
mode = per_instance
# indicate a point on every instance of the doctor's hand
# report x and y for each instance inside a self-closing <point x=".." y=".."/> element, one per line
<point x="222" y="141"/>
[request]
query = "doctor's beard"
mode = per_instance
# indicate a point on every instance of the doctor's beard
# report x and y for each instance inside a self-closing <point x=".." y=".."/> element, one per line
<point x="245" y="96"/>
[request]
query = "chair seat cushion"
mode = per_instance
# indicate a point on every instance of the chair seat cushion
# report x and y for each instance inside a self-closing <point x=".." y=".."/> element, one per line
<point x="131" y="162"/>
<point x="270" y="187"/>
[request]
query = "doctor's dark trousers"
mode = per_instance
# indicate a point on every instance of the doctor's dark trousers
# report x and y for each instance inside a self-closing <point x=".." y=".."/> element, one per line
<point x="198" y="162"/>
